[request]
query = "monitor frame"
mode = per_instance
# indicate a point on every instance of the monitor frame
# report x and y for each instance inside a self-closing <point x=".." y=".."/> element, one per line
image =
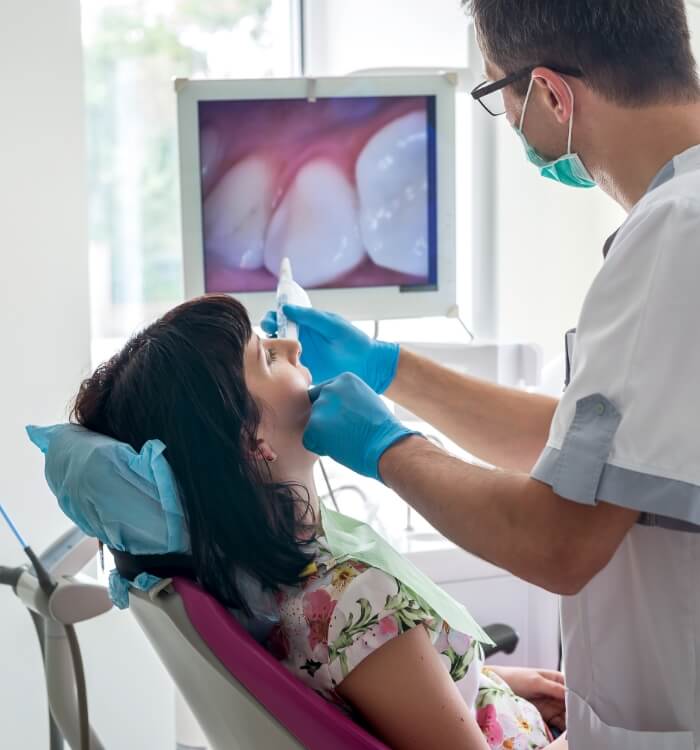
<point x="363" y="303"/>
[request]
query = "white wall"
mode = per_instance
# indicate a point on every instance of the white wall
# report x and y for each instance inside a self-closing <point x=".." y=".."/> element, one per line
<point x="344" y="36"/>
<point x="694" y="16"/>
<point x="44" y="352"/>
<point x="550" y="242"/>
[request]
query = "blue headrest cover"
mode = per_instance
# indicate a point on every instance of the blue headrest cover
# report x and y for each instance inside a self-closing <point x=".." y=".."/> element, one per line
<point x="128" y="500"/>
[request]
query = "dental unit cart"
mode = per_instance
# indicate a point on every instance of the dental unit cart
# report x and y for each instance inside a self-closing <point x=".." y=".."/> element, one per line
<point x="58" y="596"/>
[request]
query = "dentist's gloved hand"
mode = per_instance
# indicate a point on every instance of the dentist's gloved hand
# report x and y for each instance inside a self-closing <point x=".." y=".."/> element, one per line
<point x="331" y="346"/>
<point x="352" y="425"/>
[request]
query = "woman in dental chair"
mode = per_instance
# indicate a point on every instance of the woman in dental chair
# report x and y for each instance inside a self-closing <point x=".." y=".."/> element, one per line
<point x="231" y="409"/>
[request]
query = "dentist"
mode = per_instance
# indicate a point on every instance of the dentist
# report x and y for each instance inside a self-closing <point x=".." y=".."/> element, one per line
<point x="597" y="495"/>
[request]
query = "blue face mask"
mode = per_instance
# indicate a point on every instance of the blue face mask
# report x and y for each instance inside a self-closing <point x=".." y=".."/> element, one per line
<point x="568" y="169"/>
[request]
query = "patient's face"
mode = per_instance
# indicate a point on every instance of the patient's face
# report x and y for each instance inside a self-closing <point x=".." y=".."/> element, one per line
<point x="279" y="383"/>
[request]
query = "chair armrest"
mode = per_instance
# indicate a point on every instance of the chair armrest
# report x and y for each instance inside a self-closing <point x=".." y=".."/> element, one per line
<point x="505" y="638"/>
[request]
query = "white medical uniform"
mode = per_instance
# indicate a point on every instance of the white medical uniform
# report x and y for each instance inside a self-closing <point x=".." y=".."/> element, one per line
<point x="627" y="432"/>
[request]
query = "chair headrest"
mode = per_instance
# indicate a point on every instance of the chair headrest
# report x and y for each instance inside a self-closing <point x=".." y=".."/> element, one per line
<point x="130" y="502"/>
<point x="127" y="500"/>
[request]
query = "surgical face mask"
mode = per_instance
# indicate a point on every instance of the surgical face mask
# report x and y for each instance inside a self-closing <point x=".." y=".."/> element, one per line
<point x="568" y="169"/>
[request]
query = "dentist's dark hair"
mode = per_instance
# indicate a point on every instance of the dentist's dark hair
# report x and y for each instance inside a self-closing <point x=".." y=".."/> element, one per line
<point x="632" y="52"/>
<point x="181" y="380"/>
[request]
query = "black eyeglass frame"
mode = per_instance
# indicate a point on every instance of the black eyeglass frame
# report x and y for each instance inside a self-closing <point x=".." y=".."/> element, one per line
<point x="485" y="88"/>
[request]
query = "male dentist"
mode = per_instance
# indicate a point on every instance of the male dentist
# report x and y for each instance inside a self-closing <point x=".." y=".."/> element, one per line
<point x="597" y="496"/>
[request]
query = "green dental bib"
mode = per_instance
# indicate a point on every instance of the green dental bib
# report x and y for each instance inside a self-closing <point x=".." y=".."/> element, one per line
<point x="351" y="539"/>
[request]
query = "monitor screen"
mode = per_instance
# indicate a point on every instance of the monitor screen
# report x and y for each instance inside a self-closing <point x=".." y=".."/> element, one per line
<point x="345" y="187"/>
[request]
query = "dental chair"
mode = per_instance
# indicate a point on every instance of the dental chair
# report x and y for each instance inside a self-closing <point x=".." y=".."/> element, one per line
<point x="242" y="697"/>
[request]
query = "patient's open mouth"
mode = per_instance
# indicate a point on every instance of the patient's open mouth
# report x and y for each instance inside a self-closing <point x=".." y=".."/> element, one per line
<point x="338" y="186"/>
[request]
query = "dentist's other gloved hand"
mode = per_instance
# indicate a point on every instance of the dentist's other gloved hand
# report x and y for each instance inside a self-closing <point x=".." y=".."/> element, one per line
<point x="352" y="425"/>
<point x="331" y="345"/>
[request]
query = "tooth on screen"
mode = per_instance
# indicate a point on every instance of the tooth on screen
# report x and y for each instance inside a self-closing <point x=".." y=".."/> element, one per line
<point x="237" y="211"/>
<point x="392" y="186"/>
<point x="210" y="151"/>
<point x="315" y="226"/>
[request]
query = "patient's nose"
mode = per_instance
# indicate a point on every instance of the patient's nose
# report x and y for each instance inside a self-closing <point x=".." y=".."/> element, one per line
<point x="293" y="349"/>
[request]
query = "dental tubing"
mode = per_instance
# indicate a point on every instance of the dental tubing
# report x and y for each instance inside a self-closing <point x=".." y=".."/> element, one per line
<point x="288" y="293"/>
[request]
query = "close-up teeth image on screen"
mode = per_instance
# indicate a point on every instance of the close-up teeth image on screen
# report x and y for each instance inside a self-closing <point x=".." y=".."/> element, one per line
<point x="340" y="186"/>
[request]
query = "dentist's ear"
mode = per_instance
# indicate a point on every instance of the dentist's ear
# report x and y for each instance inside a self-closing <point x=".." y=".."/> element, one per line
<point x="559" y="96"/>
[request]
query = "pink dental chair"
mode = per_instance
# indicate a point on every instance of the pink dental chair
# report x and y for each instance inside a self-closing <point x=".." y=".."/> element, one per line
<point x="242" y="697"/>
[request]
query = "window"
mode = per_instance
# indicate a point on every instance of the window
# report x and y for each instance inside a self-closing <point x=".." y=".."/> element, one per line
<point x="133" y="49"/>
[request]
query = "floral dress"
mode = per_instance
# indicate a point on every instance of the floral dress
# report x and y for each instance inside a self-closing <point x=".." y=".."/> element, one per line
<point x="341" y="613"/>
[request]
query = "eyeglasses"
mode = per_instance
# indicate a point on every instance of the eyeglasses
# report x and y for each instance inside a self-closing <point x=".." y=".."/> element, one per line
<point x="490" y="93"/>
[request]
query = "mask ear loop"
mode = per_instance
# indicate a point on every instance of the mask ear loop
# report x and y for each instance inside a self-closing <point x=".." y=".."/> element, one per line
<point x="571" y="120"/>
<point x="525" y="103"/>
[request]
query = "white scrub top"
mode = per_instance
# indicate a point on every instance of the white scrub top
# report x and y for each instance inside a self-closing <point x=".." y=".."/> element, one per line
<point x="627" y="432"/>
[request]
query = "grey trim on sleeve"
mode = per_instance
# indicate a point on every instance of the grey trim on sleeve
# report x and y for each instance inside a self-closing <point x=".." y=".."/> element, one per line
<point x="569" y="345"/>
<point x="665" y="503"/>
<point x="586" y="448"/>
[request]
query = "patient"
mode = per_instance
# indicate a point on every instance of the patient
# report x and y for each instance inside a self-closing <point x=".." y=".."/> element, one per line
<point x="231" y="409"/>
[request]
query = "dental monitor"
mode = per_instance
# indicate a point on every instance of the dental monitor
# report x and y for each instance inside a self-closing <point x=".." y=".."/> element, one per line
<point x="352" y="179"/>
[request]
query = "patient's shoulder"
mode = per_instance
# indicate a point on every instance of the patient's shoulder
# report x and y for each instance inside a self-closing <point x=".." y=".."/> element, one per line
<point x="373" y="608"/>
<point x="337" y="617"/>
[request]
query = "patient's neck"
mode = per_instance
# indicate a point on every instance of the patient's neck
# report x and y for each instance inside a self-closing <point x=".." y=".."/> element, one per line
<point x="302" y="476"/>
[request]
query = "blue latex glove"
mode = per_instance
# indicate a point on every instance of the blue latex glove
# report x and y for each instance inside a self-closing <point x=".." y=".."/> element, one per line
<point x="352" y="425"/>
<point x="331" y="346"/>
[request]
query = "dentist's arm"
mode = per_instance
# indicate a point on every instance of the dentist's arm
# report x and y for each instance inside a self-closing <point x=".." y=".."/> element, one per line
<point x="504" y="517"/>
<point x="507" y="518"/>
<point x="502" y="426"/>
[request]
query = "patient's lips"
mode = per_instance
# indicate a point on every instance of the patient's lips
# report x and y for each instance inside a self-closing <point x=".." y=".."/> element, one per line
<point x="392" y="187"/>
<point x="316" y="226"/>
<point x="237" y="213"/>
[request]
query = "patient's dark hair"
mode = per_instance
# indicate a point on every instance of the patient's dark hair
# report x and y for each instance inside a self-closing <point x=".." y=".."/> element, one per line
<point x="181" y="380"/>
<point x="633" y="52"/>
